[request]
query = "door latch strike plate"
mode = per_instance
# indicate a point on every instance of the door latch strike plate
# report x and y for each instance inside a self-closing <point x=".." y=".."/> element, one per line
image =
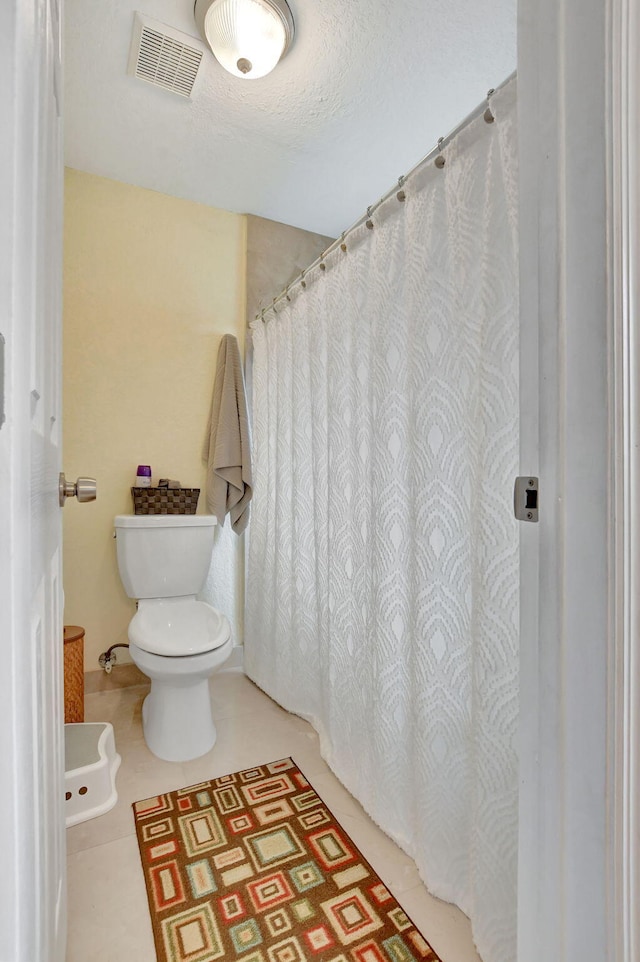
<point x="525" y="498"/>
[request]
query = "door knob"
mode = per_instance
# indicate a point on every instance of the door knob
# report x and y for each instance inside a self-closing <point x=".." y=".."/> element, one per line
<point x="84" y="489"/>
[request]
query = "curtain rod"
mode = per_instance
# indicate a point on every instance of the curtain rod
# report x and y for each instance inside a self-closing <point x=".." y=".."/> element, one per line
<point x="483" y="108"/>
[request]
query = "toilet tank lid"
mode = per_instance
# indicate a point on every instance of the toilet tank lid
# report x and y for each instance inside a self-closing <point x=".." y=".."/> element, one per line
<point x="165" y="520"/>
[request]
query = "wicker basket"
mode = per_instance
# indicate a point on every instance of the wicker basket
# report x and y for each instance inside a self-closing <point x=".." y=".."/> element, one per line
<point x="73" y="674"/>
<point x="165" y="500"/>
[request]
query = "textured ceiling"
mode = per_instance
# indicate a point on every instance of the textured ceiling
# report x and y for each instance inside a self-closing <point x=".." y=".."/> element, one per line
<point x="365" y="91"/>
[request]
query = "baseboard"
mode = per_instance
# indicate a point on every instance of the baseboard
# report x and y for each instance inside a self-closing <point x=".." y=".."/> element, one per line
<point x="129" y="675"/>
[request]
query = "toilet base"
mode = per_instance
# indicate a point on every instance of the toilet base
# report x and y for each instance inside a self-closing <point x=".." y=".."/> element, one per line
<point x="176" y="715"/>
<point x="177" y="724"/>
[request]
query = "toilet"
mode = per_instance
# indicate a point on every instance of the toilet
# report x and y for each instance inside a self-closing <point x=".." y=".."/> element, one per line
<point x="176" y="640"/>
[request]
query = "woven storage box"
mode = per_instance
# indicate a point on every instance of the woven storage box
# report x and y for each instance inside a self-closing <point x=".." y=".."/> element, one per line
<point x="73" y="673"/>
<point x="165" y="500"/>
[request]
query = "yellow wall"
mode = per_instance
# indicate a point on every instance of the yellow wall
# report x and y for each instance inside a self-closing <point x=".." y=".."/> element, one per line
<point x="151" y="283"/>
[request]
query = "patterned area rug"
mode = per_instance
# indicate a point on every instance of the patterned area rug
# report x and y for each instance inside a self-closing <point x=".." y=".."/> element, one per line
<point x="253" y="867"/>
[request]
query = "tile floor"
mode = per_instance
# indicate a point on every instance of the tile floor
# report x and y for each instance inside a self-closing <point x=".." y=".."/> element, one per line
<point x="108" y="913"/>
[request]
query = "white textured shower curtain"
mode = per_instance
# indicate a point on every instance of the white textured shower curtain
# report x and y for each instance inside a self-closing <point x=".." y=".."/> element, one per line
<point x="383" y="570"/>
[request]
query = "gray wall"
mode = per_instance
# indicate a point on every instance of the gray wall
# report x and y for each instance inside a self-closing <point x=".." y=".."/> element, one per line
<point x="276" y="254"/>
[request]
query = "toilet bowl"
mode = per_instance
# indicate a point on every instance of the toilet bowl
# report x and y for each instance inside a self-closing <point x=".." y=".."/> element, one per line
<point x="176" y="640"/>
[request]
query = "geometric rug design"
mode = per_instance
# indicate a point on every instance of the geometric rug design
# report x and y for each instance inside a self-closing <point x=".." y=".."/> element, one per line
<point x="253" y="867"/>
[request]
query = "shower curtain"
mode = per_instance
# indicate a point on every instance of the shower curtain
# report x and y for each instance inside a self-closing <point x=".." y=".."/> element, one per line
<point x="383" y="563"/>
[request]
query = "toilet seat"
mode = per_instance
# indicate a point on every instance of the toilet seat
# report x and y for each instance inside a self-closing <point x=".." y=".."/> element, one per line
<point x="176" y="627"/>
<point x="180" y="667"/>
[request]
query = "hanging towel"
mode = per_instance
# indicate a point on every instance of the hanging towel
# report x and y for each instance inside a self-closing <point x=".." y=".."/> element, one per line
<point x="226" y="448"/>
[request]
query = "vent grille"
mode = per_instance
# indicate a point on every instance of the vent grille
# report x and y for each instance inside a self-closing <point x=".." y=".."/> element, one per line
<point x="164" y="57"/>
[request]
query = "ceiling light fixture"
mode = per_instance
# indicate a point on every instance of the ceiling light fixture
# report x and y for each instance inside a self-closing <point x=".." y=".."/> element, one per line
<point x="248" y="37"/>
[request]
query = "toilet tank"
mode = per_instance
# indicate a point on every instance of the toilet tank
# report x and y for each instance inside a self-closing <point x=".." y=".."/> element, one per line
<point x="164" y="555"/>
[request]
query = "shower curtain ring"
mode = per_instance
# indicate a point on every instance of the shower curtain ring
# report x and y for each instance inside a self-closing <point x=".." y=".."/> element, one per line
<point x="488" y="115"/>
<point x="343" y="246"/>
<point x="303" y="283"/>
<point x="369" y="222"/>
<point x="401" y="196"/>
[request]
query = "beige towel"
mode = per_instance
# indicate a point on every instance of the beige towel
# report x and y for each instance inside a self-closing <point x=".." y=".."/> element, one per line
<point x="226" y="450"/>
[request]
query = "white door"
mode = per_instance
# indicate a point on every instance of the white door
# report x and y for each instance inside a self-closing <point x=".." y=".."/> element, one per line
<point x="568" y="641"/>
<point x="32" y="843"/>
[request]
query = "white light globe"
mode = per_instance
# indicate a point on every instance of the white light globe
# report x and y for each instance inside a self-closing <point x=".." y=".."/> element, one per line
<point x="247" y="37"/>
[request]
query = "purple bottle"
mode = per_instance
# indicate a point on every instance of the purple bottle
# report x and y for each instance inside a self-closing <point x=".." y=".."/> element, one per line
<point x="143" y="476"/>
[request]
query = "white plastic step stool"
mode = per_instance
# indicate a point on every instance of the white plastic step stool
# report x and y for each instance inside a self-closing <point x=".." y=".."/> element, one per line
<point x="91" y="763"/>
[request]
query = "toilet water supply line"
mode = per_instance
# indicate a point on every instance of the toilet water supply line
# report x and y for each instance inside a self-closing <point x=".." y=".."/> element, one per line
<point x="107" y="660"/>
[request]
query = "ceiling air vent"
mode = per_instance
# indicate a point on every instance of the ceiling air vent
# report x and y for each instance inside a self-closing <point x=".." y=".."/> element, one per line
<point x="163" y="56"/>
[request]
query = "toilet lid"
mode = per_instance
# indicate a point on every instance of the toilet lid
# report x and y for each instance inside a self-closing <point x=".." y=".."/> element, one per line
<point x="177" y="627"/>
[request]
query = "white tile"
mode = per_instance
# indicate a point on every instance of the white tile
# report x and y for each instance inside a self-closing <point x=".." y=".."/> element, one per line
<point x="123" y="708"/>
<point x="108" y="912"/>
<point x="397" y="870"/>
<point x="337" y="797"/>
<point x="109" y="917"/>
<point x="251" y="739"/>
<point x="140" y="775"/>
<point x="233" y="694"/>
<point x="445" y="927"/>
<point x="133" y="783"/>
